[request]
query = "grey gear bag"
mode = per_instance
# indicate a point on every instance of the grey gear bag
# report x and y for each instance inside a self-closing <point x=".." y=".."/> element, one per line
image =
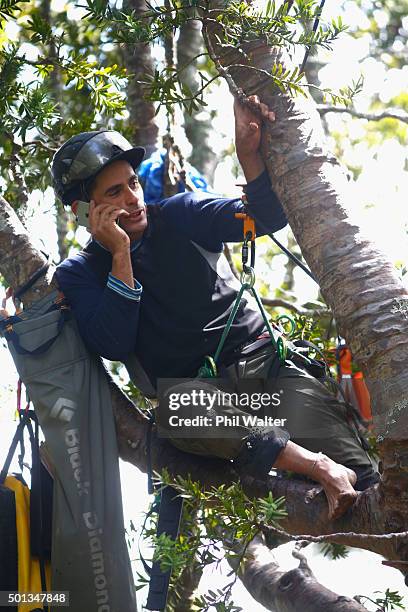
<point x="70" y="392"/>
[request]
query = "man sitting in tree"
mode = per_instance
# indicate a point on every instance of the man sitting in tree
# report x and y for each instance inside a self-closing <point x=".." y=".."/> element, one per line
<point x="153" y="283"/>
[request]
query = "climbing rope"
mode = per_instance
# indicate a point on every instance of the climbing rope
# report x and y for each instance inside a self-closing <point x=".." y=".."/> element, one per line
<point x="247" y="279"/>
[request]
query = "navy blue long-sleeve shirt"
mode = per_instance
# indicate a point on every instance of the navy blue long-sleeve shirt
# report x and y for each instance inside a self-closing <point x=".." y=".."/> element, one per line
<point x="184" y="290"/>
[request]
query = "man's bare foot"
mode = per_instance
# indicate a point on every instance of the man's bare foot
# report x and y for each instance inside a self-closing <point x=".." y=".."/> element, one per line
<point x="337" y="482"/>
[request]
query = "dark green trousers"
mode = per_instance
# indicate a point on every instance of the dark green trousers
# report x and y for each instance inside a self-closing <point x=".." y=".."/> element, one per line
<point x="315" y="418"/>
<point x="312" y="415"/>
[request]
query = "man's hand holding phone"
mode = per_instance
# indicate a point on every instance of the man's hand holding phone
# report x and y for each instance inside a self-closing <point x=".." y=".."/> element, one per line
<point x="102" y="222"/>
<point x="105" y="229"/>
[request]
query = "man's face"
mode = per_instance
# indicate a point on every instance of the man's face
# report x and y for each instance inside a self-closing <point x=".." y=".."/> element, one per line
<point x="117" y="184"/>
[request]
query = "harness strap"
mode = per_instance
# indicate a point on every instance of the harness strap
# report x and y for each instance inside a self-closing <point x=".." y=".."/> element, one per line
<point x="229" y="322"/>
<point x="16" y="439"/>
<point x="36" y="531"/>
<point x="171" y="506"/>
<point x="168" y="504"/>
<point x="209" y="367"/>
<point x="293" y="257"/>
<point x="150" y="486"/>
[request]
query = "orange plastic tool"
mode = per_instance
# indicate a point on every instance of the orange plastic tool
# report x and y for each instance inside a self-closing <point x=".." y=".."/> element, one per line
<point x="249" y="224"/>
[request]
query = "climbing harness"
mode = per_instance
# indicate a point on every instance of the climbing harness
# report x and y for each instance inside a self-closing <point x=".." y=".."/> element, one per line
<point x="247" y="279"/>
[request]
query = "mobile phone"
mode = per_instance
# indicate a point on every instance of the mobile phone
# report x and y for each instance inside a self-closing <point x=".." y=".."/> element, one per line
<point x="82" y="214"/>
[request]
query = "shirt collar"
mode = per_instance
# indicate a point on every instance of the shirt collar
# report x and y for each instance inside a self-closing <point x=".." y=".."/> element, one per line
<point x="133" y="245"/>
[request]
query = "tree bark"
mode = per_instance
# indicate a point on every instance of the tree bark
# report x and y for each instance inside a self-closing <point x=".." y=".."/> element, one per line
<point x="19" y="259"/>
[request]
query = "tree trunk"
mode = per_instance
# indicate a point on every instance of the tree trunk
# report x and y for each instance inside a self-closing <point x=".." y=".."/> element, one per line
<point x="62" y="220"/>
<point x="57" y="89"/>
<point x="139" y="62"/>
<point x="198" y="131"/>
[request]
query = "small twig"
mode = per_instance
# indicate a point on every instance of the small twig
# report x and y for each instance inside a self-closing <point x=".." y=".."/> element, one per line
<point x="278" y="302"/>
<point x="15" y="167"/>
<point x="343" y="536"/>
<point x="297" y="554"/>
<point x="275" y="302"/>
<point x="231" y="264"/>
<point x="39" y="143"/>
<point x="187" y="64"/>
<point x="190" y="98"/>
<point x="271" y="77"/>
<point x="393" y="113"/>
<point x="45" y="61"/>
<point x="235" y="90"/>
<point x="154" y="12"/>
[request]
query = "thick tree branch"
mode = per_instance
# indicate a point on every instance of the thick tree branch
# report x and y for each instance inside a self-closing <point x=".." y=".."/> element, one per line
<point x="19" y="259"/>
<point x="278" y="590"/>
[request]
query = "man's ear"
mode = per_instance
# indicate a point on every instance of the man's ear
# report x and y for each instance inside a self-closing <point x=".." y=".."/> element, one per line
<point x="74" y="207"/>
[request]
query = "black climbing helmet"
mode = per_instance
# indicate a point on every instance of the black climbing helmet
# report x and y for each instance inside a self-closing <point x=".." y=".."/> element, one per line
<point x="81" y="158"/>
